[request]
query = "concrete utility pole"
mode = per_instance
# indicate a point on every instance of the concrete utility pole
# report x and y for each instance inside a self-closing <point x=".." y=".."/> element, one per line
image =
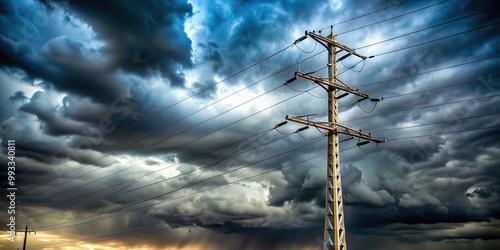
<point x="334" y="229"/>
<point x="26" y="232"/>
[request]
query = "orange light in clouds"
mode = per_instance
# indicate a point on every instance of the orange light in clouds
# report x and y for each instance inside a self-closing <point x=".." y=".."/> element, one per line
<point x="44" y="241"/>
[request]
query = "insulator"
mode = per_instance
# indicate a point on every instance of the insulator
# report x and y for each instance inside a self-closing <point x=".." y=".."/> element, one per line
<point x="302" y="129"/>
<point x="291" y="80"/>
<point x="342" y="96"/>
<point x="280" y="124"/>
<point x="362" y="143"/>
<point x="300" y="39"/>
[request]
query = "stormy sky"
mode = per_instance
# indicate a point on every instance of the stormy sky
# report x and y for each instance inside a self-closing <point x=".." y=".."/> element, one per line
<point x="153" y="124"/>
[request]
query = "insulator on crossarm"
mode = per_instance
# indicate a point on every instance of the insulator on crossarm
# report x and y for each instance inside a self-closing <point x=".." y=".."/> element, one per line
<point x="280" y="124"/>
<point x="302" y="129"/>
<point x="362" y="143"/>
<point x="290" y="80"/>
<point x="302" y="38"/>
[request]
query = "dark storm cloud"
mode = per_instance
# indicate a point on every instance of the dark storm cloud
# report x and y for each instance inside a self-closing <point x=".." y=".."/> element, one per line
<point x="205" y="89"/>
<point x="52" y="125"/>
<point x="250" y="26"/>
<point x="212" y="55"/>
<point x="18" y="96"/>
<point x="140" y="34"/>
<point x="479" y="192"/>
<point x="294" y="190"/>
<point x="153" y="38"/>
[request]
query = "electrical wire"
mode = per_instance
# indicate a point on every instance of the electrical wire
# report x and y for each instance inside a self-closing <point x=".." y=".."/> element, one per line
<point x="427" y="28"/>
<point x="374" y="106"/>
<point x="426" y="106"/>
<point x="137" y="179"/>
<point x="482" y="128"/>
<point x="210" y="189"/>
<point x="361" y="149"/>
<point x="149" y="146"/>
<point x="203" y="169"/>
<point x="213" y="188"/>
<point x="264" y="173"/>
<point x="60" y="225"/>
<point x="314" y="157"/>
<point x="311" y="139"/>
<point x="434" y="123"/>
<point x="307" y="52"/>
<point x="294" y="96"/>
<point x="226" y="126"/>
<point x="367" y="14"/>
<point x="173" y="105"/>
<point x="438" y="39"/>
<point x="352" y="68"/>
<point x="419" y="73"/>
<point x="285" y="49"/>
<point x="442" y="133"/>
<point x="164" y="127"/>
<point x="437" y="88"/>
<point x="394" y="17"/>
<point x="319" y="97"/>
<point x="305" y="91"/>
<point x="285" y="134"/>
<point x="208" y="87"/>
<point x="430" y="71"/>
<point x="347" y="107"/>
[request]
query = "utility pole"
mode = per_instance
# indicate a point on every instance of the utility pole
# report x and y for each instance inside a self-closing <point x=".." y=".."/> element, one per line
<point x="334" y="229"/>
<point x="26" y="232"/>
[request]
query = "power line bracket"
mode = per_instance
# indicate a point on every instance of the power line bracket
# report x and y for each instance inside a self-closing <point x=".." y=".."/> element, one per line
<point x="337" y="44"/>
<point x="330" y="84"/>
<point x="335" y="128"/>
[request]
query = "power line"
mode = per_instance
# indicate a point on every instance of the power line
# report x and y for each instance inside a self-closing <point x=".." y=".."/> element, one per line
<point x="434" y="123"/>
<point x="421" y="44"/>
<point x="423" y="91"/>
<point x="154" y="144"/>
<point x="442" y="133"/>
<point x="216" y="187"/>
<point x="212" y="103"/>
<point x="296" y="95"/>
<point x="59" y="225"/>
<point x="354" y="65"/>
<point x="205" y="135"/>
<point x="427" y="28"/>
<point x="136" y="179"/>
<point x="430" y="71"/>
<point x="432" y="89"/>
<point x="367" y="14"/>
<point x="164" y="127"/>
<point x="438" y="39"/>
<point x="426" y="106"/>
<point x="208" y="87"/>
<point x="224" y="126"/>
<point x="270" y="171"/>
<point x="175" y="104"/>
<point x="184" y="144"/>
<point x="407" y="138"/>
<point x="122" y="191"/>
<point x="213" y="188"/>
<point x="253" y="176"/>
<point x="391" y="18"/>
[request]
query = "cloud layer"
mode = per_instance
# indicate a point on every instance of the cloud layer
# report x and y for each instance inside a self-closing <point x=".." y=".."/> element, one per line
<point x="141" y="124"/>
